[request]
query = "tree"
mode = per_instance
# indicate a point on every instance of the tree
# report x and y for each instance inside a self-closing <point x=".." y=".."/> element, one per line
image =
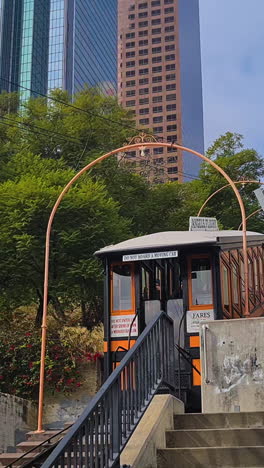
<point x="86" y="220"/>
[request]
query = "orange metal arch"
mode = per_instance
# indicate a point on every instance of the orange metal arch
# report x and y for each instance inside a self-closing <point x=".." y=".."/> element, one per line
<point x="53" y="212"/>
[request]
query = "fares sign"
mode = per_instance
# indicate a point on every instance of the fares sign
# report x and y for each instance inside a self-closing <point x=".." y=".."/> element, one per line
<point x="260" y="196"/>
<point x="202" y="224"/>
<point x="195" y="317"/>
<point x="120" y="326"/>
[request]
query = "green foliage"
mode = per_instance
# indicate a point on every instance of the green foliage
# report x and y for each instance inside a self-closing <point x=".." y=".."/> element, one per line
<point x="20" y="354"/>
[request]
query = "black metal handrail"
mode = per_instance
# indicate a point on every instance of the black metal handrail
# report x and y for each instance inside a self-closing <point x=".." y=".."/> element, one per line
<point x="101" y="432"/>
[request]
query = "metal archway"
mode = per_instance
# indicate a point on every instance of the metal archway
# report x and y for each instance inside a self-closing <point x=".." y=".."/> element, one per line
<point x="140" y="142"/>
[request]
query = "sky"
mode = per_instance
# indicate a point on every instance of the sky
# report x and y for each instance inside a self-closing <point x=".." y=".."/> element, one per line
<point x="232" y="43"/>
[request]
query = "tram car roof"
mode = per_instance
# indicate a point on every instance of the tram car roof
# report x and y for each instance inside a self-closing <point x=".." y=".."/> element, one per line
<point x="174" y="239"/>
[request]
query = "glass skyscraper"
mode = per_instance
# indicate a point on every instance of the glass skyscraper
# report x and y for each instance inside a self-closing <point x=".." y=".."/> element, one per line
<point x="47" y="44"/>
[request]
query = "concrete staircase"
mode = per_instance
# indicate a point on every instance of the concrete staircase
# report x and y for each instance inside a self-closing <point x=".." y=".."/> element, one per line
<point x="33" y="442"/>
<point x="214" y="440"/>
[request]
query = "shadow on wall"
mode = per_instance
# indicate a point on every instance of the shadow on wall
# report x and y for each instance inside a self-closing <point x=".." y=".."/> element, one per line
<point x="18" y="416"/>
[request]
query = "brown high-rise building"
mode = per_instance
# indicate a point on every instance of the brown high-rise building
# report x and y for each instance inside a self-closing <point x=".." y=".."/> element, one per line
<point x="159" y="79"/>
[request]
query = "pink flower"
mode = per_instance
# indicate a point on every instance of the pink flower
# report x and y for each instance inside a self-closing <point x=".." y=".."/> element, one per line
<point x="29" y="345"/>
<point x="1" y="377"/>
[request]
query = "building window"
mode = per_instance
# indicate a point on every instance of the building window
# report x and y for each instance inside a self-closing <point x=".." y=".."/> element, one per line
<point x="169" y="19"/>
<point x="132" y="26"/>
<point x="130" y="83"/>
<point x="143" y="14"/>
<point x="144" y="121"/>
<point x="170" y="77"/>
<point x="143" y="62"/>
<point x="143" y="81"/>
<point x="172" y="159"/>
<point x="170" y="107"/>
<point x="144" y="42"/>
<point x="129" y="45"/>
<point x="171" y="118"/>
<point x="131" y="92"/>
<point x="171" y="87"/>
<point x="131" y="17"/>
<point x="130" y="64"/>
<point x="155" y="3"/>
<point x="172" y="170"/>
<point x="130" y="54"/>
<point x="130" y="73"/>
<point x="157" y="69"/>
<point x="143" y="33"/>
<point x="168" y="2"/>
<point x="143" y="24"/>
<point x="143" y="101"/>
<point x="157" y="89"/>
<point x="144" y="91"/>
<point x="154" y="22"/>
<point x="170" y="57"/>
<point x="130" y="35"/>
<point x="131" y="154"/>
<point x="143" y="52"/>
<point x="157" y="79"/>
<point x="158" y="129"/>
<point x="141" y="6"/>
<point x="158" y="119"/>
<point x="169" y="47"/>
<point x="155" y="12"/>
<point x="156" y="59"/>
<point x="173" y="139"/>
<point x="170" y="67"/>
<point x="156" y="31"/>
<point x="158" y="151"/>
<point x="157" y="99"/>
<point x="144" y="111"/>
<point x="169" y="10"/>
<point x="169" y="38"/>
<point x="157" y="109"/>
<point x="169" y="28"/>
<point x="171" y="128"/>
<point x="144" y="71"/>
<point x="156" y="40"/>
<point x="156" y="50"/>
<point x="130" y="103"/>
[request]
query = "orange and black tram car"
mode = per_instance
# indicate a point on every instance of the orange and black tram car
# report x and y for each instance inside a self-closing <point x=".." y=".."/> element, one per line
<point x="192" y="276"/>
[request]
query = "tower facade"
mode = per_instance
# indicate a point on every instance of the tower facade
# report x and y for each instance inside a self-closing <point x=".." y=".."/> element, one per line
<point x="159" y="79"/>
<point x="47" y="44"/>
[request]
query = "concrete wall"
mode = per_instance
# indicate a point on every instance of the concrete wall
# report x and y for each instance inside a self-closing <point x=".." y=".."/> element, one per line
<point x="17" y="416"/>
<point x="234" y="353"/>
<point x="140" y="451"/>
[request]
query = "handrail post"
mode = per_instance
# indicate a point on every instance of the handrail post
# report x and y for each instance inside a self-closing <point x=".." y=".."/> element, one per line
<point x="116" y="419"/>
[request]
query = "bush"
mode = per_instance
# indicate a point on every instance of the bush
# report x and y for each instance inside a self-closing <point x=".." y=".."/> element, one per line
<point x="67" y="352"/>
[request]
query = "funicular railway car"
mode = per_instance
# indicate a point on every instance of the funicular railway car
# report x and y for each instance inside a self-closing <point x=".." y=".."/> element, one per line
<point x="192" y="276"/>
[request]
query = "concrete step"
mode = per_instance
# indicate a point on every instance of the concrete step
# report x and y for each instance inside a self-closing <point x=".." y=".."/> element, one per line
<point x="31" y="444"/>
<point x="213" y="457"/>
<point x="214" y="437"/>
<point x="41" y="436"/>
<point x="219" y="420"/>
<point x="7" y="458"/>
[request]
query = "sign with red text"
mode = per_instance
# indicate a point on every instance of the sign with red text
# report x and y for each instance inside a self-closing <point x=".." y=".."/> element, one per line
<point x="120" y="326"/>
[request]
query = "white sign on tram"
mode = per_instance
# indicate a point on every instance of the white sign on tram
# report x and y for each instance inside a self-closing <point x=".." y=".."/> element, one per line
<point x="120" y="326"/>
<point x="202" y="224"/>
<point x="195" y="317"/>
<point x="150" y="256"/>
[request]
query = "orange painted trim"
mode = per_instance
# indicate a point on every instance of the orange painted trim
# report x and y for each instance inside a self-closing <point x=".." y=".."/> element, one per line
<point x="196" y="377"/>
<point x="189" y="264"/>
<point x="114" y="345"/>
<point x="194" y="341"/>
